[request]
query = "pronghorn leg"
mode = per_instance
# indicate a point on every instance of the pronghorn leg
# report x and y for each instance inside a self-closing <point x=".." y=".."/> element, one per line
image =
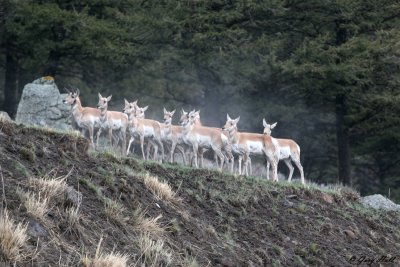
<point x="97" y="137"/>
<point x="148" y="147"/>
<point x="182" y="153"/>
<point x="162" y="151"/>
<point x="201" y="155"/>
<point x="155" y="154"/>
<point x="268" y="165"/>
<point x="250" y="171"/>
<point x="142" y="146"/>
<point x="129" y="145"/>
<point x="298" y="164"/>
<point x="288" y="163"/>
<point x="246" y="162"/>
<point x="274" y="165"/>
<point x="123" y="141"/>
<point x="195" y="151"/>
<point x="171" y="152"/>
<point x="90" y="129"/>
<point x="110" y="137"/>
<point x="240" y="164"/>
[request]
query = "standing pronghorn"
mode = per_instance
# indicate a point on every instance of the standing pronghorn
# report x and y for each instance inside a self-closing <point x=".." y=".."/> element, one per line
<point x="197" y="122"/>
<point x="85" y="117"/>
<point x="173" y="135"/>
<point x="245" y="144"/>
<point x="143" y="128"/>
<point x="112" y="121"/>
<point x="289" y="151"/>
<point x="206" y="137"/>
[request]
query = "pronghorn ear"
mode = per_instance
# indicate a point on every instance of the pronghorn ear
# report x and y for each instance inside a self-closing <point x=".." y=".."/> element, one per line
<point x="183" y="112"/>
<point x="109" y="98"/>
<point x="100" y="96"/>
<point x="126" y="101"/>
<point x="165" y="111"/>
<point x="237" y="119"/>
<point x="273" y="125"/>
<point x="227" y="117"/>
<point x="78" y="92"/>
<point x="145" y="108"/>
<point x="173" y="112"/>
<point x="134" y="103"/>
<point x="265" y="124"/>
<point x="198" y="112"/>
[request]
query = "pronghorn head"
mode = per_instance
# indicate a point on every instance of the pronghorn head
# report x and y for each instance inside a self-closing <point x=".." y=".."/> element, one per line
<point x="193" y="116"/>
<point x="139" y="112"/>
<point x="129" y="107"/>
<point x="103" y="102"/>
<point x="184" y="117"/>
<point x="168" y="116"/>
<point x="268" y="127"/>
<point x="71" y="98"/>
<point x="230" y="124"/>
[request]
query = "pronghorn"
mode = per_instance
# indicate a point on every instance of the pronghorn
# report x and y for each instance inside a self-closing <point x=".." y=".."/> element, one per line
<point x="173" y="135"/>
<point x="112" y="121"/>
<point x="143" y="128"/>
<point x="85" y="117"/>
<point x="197" y="122"/>
<point x="289" y="151"/>
<point x="205" y="137"/>
<point x="245" y="144"/>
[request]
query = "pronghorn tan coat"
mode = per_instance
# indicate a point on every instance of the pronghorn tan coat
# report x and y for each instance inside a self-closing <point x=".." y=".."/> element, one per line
<point x="246" y="144"/>
<point x="205" y="137"/>
<point x="86" y="118"/>
<point x="112" y="121"/>
<point x="289" y="151"/>
<point x="144" y="129"/>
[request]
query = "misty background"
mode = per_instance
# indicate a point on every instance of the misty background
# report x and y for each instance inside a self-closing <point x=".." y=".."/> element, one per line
<point x="326" y="71"/>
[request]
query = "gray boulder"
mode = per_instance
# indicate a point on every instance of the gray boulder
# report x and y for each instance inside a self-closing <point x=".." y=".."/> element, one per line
<point x="4" y="116"/>
<point x="41" y="105"/>
<point x="379" y="202"/>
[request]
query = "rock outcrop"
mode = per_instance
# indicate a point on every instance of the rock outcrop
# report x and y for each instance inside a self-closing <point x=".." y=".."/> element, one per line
<point x="41" y="105"/>
<point x="379" y="202"/>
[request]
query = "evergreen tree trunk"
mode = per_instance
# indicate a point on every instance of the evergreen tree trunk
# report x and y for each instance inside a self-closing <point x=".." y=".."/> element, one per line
<point x="10" y="85"/>
<point x="342" y="137"/>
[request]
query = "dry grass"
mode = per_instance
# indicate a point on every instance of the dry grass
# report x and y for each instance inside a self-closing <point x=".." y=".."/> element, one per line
<point x="12" y="238"/>
<point x="115" y="211"/>
<point x="73" y="217"/>
<point x="161" y="189"/>
<point x="36" y="205"/>
<point x="153" y="253"/>
<point x="147" y="225"/>
<point x="49" y="187"/>
<point x="101" y="259"/>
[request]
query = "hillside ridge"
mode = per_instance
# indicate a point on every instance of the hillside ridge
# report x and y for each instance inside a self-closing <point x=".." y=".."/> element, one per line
<point x="136" y="212"/>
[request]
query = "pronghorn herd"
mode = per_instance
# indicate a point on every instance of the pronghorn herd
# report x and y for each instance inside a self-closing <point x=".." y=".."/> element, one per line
<point x="190" y="136"/>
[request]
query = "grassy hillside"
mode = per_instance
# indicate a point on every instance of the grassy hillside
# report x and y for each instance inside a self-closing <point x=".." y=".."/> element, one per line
<point x="133" y="212"/>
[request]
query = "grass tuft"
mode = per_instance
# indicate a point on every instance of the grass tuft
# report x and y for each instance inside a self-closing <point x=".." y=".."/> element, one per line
<point x="102" y="259"/>
<point x="12" y="238"/>
<point x="152" y="252"/>
<point x="36" y="205"/>
<point x="161" y="189"/>
<point x="48" y="187"/>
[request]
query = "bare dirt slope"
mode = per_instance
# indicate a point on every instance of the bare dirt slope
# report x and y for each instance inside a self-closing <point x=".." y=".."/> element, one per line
<point x="211" y="219"/>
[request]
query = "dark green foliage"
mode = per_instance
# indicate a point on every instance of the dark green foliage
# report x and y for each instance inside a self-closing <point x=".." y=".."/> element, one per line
<point x="327" y="71"/>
